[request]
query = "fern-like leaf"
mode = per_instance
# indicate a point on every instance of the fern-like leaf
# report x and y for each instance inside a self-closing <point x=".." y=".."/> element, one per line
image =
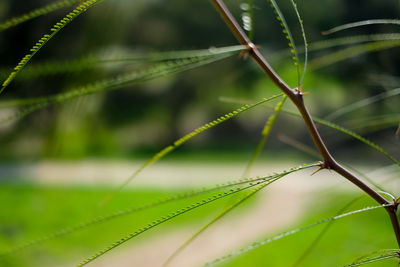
<point x="376" y="256"/>
<point x="350" y="133"/>
<point x="43" y="41"/>
<point x="169" y="199"/>
<point x="92" y="61"/>
<point x="265" y="133"/>
<point x="167" y="218"/>
<point x="303" y="34"/>
<point x="158" y="70"/>
<point x="225" y="211"/>
<point x="187" y="137"/>
<point x="358" y="137"/>
<point x="285" y="234"/>
<point x="249" y="184"/>
<point x="36" y="13"/>
<point x="323" y="232"/>
<point x="288" y="35"/>
<point x="340" y="129"/>
<point x="361" y="23"/>
<point x="350" y="52"/>
<point x="362" y="103"/>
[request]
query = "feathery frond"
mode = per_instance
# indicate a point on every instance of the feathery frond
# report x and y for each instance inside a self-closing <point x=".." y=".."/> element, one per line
<point x="362" y="103"/>
<point x="187" y="137"/>
<point x="288" y="35"/>
<point x="35" y="70"/>
<point x="221" y="214"/>
<point x="303" y="34"/>
<point x="316" y="240"/>
<point x="169" y="199"/>
<point x="213" y="198"/>
<point x="264" y="135"/>
<point x="285" y="234"/>
<point x="350" y="52"/>
<point x="361" y="23"/>
<point x="36" y="13"/>
<point x="155" y="71"/>
<point x="165" y="219"/>
<point x="376" y="256"/>
<point x="43" y="41"/>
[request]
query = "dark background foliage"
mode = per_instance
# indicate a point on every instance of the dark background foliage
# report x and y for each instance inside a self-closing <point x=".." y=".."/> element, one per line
<point x="142" y="118"/>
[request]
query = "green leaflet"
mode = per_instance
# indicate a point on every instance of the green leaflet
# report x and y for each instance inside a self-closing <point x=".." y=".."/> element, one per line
<point x="376" y="256"/>
<point x="362" y="103"/>
<point x="156" y="203"/>
<point x="36" y="13"/>
<point x="355" y="39"/>
<point x="42" y="41"/>
<point x="303" y="34"/>
<point x="35" y="70"/>
<point x="225" y="211"/>
<point x="265" y="133"/>
<point x="350" y="133"/>
<point x="377" y="122"/>
<point x="288" y="35"/>
<point x="165" y="219"/>
<point x="361" y="23"/>
<point x="343" y="130"/>
<point x="187" y="137"/>
<point x="162" y="69"/>
<point x="352" y="52"/>
<point x="285" y="234"/>
<point x="358" y="137"/>
<point x="342" y="41"/>
<point x="172" y="215"/>
<point x="323" y="232"/>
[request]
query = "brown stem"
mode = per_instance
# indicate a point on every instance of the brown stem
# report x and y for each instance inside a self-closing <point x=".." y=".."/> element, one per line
<point x="297" y="98"/>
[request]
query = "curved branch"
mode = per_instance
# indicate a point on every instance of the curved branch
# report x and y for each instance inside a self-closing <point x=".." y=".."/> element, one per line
<point x="296" y="97"/>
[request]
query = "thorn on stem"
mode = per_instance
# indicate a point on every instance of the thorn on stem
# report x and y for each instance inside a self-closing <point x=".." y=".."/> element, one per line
<point x="299" y="90"/>
<point x="320" y="168"/>
<point x="322" y="165"/>
<point x="250" y="47"/>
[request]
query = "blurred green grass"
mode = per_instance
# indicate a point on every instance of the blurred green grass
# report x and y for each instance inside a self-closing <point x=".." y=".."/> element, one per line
<point x="345" y="240"/>
<point x="35" y="210"/>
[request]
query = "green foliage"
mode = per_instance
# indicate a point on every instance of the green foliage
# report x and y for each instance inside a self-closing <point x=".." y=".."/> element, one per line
<point x="36" y="13"/>
<point x="43" y="41"/>
<point x="285" y="234"/>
